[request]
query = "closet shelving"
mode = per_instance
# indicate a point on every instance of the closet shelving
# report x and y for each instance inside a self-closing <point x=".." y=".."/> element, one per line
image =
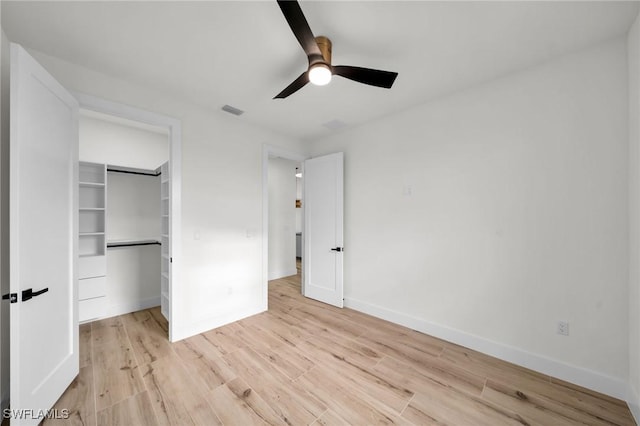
<point x="165" y="203"/>
<point x="92" y="263"/>
<point x="94" y="243"/>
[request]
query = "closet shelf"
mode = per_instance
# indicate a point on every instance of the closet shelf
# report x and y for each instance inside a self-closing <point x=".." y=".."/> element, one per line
<point x="90" y="234"/>
<point x="84" y="256"/>
<point x="91" y="209"/>
<point x="92" y="184"/>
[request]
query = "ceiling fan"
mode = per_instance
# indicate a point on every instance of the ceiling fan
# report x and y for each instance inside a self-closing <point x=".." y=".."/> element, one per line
<point x="318" y="50"/>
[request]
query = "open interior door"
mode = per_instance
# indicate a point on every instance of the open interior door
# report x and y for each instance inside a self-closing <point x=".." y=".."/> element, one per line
<point x="323" y="218"/>
<point x="42" y="239"/>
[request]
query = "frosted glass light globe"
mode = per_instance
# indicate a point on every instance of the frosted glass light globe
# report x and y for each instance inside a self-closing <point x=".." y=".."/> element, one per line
<point x="320" y="75"/>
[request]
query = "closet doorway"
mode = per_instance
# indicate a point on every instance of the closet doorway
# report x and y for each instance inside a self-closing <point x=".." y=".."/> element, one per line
<point x="129" y="210"/>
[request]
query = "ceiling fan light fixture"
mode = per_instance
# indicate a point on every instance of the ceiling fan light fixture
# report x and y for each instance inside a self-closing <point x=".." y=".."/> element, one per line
<point x="318" y="51"/>
<point x="320" y="74"/>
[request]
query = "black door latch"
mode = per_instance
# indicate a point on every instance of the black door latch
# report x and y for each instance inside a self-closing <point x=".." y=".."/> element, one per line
<point x="339" y="249"/>
<point x="11" y="297"/>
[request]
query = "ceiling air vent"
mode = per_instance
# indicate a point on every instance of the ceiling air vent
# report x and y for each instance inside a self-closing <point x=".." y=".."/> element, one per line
<point x="335" y="124"/>
<point x="232" y="110"/>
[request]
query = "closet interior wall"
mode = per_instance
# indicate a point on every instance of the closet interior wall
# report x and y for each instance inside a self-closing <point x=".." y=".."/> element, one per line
<point x="133" y="214"/>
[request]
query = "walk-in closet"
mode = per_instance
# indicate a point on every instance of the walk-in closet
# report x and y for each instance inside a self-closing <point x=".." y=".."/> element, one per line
<point x="124" y="223"/>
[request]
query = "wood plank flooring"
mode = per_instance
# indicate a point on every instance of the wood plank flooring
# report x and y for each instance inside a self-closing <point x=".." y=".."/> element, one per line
<point x="303" y="362"/>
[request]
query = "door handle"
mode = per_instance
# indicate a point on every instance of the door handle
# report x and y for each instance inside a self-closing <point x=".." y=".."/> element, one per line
<point x="29" y="293"/>
<point x="338" y="249"/>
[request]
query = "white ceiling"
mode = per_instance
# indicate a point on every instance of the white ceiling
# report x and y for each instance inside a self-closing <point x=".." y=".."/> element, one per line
<point x="243" y="53"/>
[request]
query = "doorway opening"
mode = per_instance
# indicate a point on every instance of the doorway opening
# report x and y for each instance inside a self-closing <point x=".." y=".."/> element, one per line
<point x="285" y="220"/>
<point x="138" y="155"/>
<point x="283" y="223"/>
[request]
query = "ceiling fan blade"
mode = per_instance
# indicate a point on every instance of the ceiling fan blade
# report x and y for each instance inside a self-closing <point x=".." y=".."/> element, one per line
<point x="368" y="76"/>
<point x="297" y="84"/>
<point x="300" y="27"/>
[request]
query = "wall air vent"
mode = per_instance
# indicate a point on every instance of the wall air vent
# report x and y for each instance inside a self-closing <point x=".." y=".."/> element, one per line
<point x="232" y="110"/>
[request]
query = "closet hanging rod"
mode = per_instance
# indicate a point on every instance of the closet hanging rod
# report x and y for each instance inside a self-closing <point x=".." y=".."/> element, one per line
<point x="132" y="243"/>
<point x="132" y="172"/>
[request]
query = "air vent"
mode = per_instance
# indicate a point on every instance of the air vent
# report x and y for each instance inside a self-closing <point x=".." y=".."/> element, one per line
<point x="335" y="124"/>
<point x="232" y="110"/>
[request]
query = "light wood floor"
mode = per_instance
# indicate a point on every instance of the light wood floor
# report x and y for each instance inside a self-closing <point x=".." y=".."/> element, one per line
<point x="304" y="362"/>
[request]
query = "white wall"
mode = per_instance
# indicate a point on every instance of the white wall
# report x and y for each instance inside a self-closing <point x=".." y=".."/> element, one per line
<point x="282" y="217"/>
<point x="633" y="58"/>
<point x="133" y="279"/>
<point x="505" y="208"/>
<point x="133" y="213"/>
<point x="112" y="143"/>
<point x="222" y="199"/>
<point x="133" y="207"/>
<point x="4" y="217"/>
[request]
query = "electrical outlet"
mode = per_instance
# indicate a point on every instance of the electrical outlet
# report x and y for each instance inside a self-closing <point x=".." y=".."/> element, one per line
<point x="563" y="328"/>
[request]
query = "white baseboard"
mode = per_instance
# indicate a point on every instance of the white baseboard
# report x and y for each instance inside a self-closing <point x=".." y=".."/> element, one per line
<point x="633" y="401"/>
<point x="281" y="274"/>
<point x="593" y="380"/>
<point x="133" y="306"/>
<point x="213" y="322"/>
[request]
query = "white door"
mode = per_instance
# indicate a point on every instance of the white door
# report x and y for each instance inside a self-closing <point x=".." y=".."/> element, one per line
<point x="323" y="240"/>
<point x="43" y="239"/>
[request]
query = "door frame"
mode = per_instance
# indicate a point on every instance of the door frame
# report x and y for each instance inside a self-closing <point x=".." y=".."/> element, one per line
<point x="97" y="104"/>
<point x="267" y="152"/>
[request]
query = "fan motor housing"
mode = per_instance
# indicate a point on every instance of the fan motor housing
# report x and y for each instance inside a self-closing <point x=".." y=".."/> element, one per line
<point x="325" y="47"/>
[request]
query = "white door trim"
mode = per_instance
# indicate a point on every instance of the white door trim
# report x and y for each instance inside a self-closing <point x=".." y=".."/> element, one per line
<point x="273" y="151"/>
<point x="175" y="163"/>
